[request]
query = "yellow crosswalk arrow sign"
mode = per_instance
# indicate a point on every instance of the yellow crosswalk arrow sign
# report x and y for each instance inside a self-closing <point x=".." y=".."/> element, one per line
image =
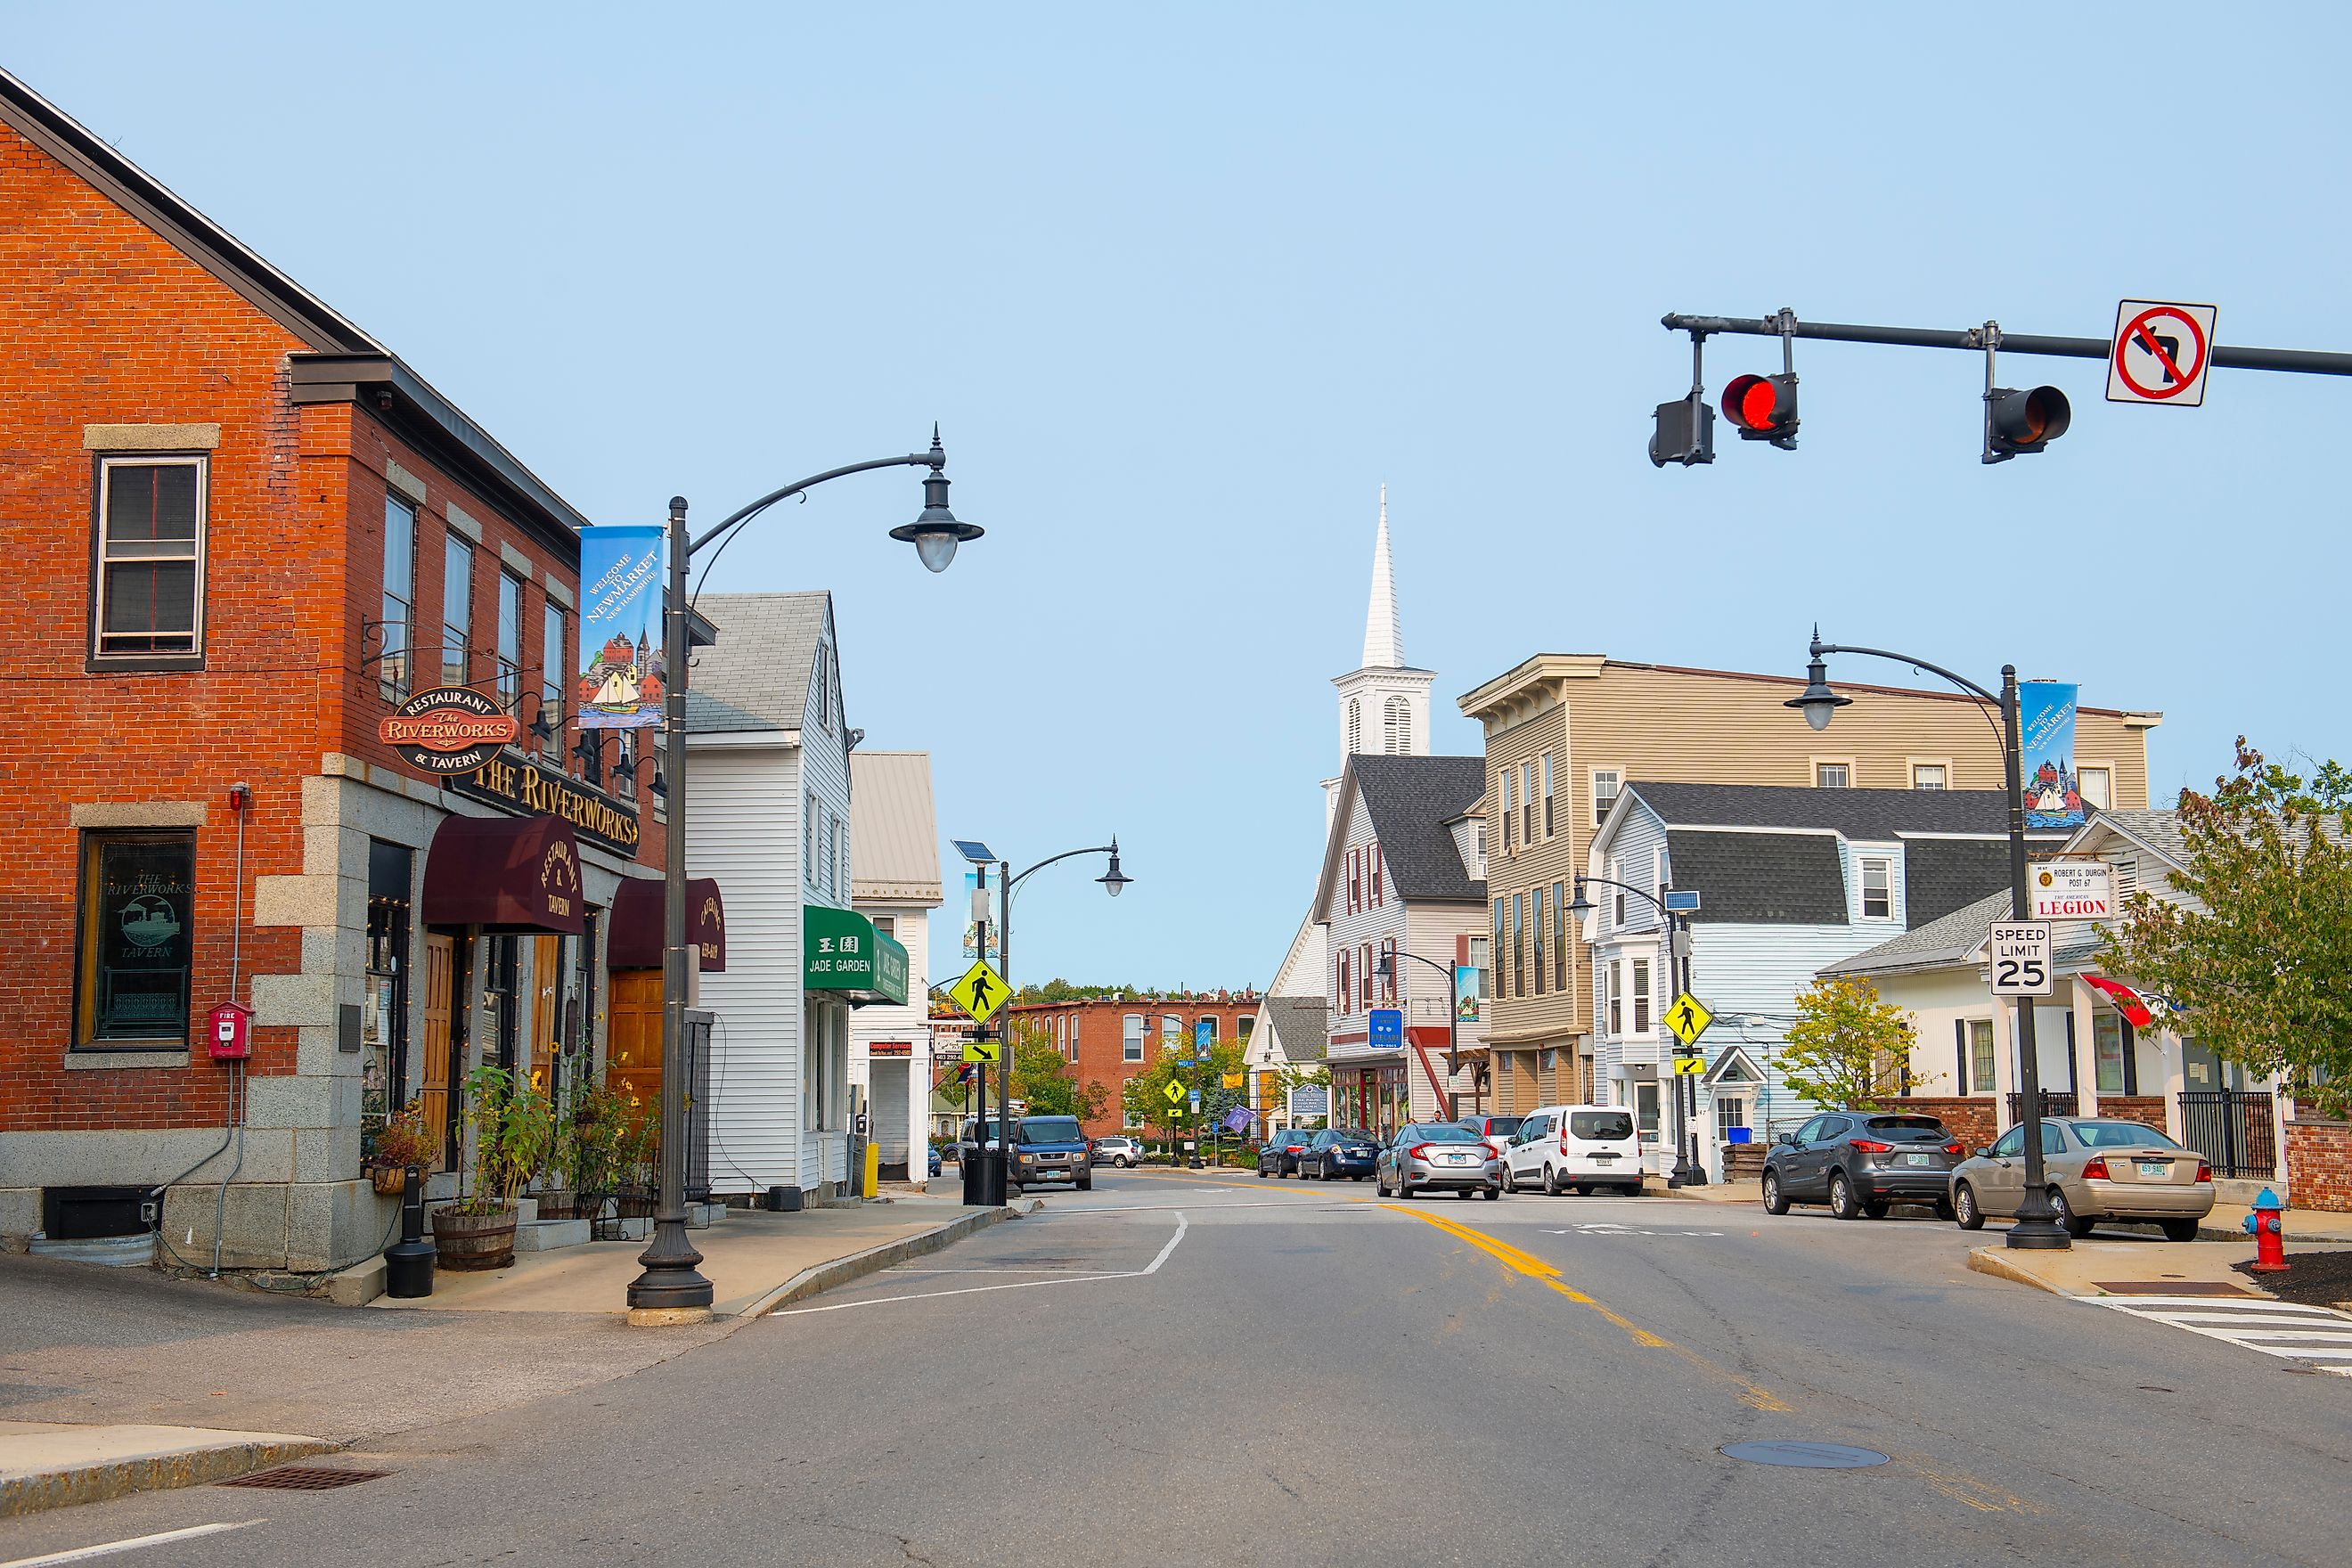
<point x="981" y="1049"/>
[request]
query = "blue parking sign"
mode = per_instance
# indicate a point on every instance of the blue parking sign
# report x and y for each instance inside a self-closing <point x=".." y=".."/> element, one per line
<point x="1387" y="1026"/>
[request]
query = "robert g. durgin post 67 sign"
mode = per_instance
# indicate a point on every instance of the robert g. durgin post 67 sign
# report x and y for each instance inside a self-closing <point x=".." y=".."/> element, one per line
<point x="448" y="730"/>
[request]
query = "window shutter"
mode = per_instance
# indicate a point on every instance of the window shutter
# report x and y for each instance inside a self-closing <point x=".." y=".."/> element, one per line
<point x="1960" y="1042"/>
<point x="2131" y="1058"/>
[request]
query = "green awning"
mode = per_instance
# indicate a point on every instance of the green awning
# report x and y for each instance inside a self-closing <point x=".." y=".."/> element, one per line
<point x="842" y="952"/>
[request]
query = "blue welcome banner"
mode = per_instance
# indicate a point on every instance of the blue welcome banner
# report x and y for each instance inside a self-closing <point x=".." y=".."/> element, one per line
<point x="2046" y="717"/>
<point x="621" y="656"/>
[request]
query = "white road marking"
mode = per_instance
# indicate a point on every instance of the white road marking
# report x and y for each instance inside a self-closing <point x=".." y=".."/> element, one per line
<point x="1605" y="1229"/>
<point x="1148" y="1270"/>
<point x="1166" y="1208"/>
<point x="84" y="1554"/>
<point x="2281" y="1329"/>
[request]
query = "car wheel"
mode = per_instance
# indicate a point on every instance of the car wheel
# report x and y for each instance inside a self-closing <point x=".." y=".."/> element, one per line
<point x="1404" y="1189"/>
<point x="1552" y="1180"/>
<point x="1086" y="1184"/>
<point x="1843" y="1205"/>
<point x="1261" y="1173"/>
<point x="2077" y="1226"/>
<point x="1775" y="1200"/>
<point x="1943" y="1208"/>
<point x="1490" y="1193"/>
<point x="1964" y="1207"/>
<point x="2179" y="1230"/>
<point x="1508" y="1185"/>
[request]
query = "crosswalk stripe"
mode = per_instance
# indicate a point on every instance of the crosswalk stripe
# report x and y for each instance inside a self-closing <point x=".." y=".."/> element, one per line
<point x="2283" y="1329"/>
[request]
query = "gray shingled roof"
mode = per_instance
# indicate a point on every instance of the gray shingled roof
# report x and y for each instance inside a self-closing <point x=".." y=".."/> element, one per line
<point x="1301" y="1026"/>
<point x="1940" y="875"/>
<point x="2159" y="830"/>
<point x="1761" y="879"/>
<point x="757" y="676"/>
<point x="1411" y="800"/>
<point x="1881" y="814"/>
<point x="1939" y="942"/>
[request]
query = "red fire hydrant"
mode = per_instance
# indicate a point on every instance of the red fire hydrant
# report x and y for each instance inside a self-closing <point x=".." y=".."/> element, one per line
<point x="2270" y="1241"/>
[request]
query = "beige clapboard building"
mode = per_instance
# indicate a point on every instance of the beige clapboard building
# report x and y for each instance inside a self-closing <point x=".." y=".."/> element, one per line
<point x="1565" y="732"/>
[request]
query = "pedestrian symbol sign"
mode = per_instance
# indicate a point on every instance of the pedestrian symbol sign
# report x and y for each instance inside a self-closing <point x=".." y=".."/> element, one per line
<point x="981" y="991"/>
<point x="1175" y="1092"/>
<point x="1688" y="1018"/>
<point x="981" y="1048"/>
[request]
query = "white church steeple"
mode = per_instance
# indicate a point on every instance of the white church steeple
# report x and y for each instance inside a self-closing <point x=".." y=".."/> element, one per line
<point x="1384" y="703"/>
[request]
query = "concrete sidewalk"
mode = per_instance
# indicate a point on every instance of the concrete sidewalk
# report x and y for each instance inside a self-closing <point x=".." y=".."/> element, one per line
<point x="47" y="1464"/>
<point x="753" y="1259"/>
<point x="2105" y="1266"/>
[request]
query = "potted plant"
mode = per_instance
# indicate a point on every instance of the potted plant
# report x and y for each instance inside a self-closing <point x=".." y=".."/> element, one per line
<point x="640" y="1162"/>
<point x="512" y="1126"/>
<point x="404" y="1140"/>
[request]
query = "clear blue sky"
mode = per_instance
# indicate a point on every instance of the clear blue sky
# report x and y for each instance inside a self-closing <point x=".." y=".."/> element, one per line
<point x="1184" y="285"/>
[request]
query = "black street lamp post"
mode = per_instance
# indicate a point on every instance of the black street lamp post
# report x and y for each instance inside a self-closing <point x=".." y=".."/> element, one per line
<point x="1113" y="882"/>
<point x="671" y="1288"/>
<point x="1687" y="1171"/>
<point x="1387" y="970"/>
<point x="2037" y="1226"/>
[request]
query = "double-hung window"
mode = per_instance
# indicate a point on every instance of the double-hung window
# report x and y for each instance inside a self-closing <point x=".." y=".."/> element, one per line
<point x="1546" y="795"/>
<point x="1641" y="996"/>
<point x="1538" y="933"/>
<point x="510" y="638"/>
<point x="150" y="588"/>
<point x="456" y="611"/>
<point x="1981" y="1058"/>
<point x="399" y="598"/>
<point x="1344" y="991"/>
<point x="1500" y="948"/>
<point x="1877" y="890"/>
<point x="1528" y="803"/>
<point x="1130" y="1038"/>
<point x="1559" y="936"/>
<point x="1374" y="853"/>
<point x="1927" y="776"/>
<point x="1833" y="775"/>
<point x="1354" y="881"/>
<point x="555" y="658"/>
<point x="1614" y="994"/>
<point x="808" y="839"/>
<point x="1604" y="794"/>
<point x="1504" y="776"/>
<point x="133" y="940"/>
<point x="1518" y="945"/>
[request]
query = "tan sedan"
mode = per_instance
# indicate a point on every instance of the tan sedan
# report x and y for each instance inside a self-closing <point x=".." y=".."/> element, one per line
<point x="2096" y="1170"/>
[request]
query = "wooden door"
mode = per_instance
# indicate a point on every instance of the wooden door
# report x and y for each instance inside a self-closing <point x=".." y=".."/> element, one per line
<point x="432" y="1084"/>
<point x="546" y="1011"/>
<point x="633" y="1035"/>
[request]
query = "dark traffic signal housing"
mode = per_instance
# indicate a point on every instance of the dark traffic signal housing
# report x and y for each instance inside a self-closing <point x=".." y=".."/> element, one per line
<point x="1684" y="433"/>
<point x="2022" y="421"/>
<point x="1764" y="407"/>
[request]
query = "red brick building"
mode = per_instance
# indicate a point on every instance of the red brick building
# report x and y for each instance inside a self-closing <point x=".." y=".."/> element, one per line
<point x="245" y="531"/>
<point x="1112" y="1038"/>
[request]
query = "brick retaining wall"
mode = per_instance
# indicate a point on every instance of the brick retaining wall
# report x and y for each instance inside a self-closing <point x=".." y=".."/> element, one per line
<point x="2319" y="1164"/>
<point x="2147" y="1110"/>
<point x="1974" y="1121"/>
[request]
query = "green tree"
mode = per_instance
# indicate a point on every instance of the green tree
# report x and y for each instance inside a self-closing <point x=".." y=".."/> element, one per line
<point x="1046" y="1083"/>
<point x="2258" y="964"/>
<point x="1145" y="1096"/>
<point x="1847" y="1048"/>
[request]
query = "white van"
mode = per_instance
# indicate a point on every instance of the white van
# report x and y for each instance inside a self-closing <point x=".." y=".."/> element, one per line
<point x="1578" y="1146"/>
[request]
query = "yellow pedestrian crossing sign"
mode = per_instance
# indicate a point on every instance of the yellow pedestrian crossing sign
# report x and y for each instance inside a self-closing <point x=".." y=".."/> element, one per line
<point x="980" y="1048"/>
<point x="979" y="991"/>
<point x="1688" y="1018"/>
<point x="1175" y="1092"/>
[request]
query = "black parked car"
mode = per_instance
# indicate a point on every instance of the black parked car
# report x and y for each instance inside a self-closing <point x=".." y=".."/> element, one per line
<point x="1279" y="1155"/>
<point x="1859" y="1162"/>
<point x="1339" y="1151"/>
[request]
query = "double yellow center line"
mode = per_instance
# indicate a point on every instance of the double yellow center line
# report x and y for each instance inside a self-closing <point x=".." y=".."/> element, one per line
<point x="1536" y="1269"/>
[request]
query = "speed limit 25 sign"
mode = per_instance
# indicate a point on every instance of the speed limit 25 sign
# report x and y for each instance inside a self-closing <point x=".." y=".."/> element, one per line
<point x="2020" y="959"/>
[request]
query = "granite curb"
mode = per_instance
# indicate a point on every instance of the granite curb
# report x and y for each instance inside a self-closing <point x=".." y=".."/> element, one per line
<point x="838" y="1271"/>
<point x="99" y="1479"/>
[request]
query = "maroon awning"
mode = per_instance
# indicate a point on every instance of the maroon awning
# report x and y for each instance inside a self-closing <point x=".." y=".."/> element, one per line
<point x="636" y="941"/>
<point x="504" y="874"/>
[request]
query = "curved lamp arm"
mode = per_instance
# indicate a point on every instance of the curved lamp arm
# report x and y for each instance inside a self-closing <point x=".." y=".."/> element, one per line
<point x="1612" y="882"/>
<point x="1962" y="681"/>
<point x="1013" y="883"/>
<point x="934" y="458"/>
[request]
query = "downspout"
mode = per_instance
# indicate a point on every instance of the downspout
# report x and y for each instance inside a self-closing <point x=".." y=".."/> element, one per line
<point x="240" y="797"/>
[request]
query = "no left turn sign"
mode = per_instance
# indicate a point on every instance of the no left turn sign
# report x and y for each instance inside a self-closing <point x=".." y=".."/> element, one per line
<point x="2160" y="352"/>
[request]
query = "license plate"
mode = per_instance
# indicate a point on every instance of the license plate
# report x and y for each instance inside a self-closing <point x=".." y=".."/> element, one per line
<point x="2157" y="1168"/>
<point x="1918" y="1159"/>
<point x="1603" y="1158"/>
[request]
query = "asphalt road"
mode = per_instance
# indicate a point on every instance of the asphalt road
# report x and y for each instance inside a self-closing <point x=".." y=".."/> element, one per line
<point x="1182" y="1368"/>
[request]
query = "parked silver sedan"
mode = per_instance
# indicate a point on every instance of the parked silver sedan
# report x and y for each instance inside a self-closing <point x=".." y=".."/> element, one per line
<point x="1426" y="1156"/>
<point x="2097" y="1170"/>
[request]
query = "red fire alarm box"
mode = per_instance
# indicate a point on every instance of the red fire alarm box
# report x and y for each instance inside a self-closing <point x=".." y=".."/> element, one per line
<point x="226" y="1029"/>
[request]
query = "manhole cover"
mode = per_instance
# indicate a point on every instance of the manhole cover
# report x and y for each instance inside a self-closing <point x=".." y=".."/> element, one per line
<point x="305" y="1479"/>
<point x="1804" y="1456"/>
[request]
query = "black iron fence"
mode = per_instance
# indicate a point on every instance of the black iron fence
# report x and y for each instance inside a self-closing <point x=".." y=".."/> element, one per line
<point x="2054" y="1102"/>
<point x="698" y="1105"/>
<point x="2232" y="1129"/>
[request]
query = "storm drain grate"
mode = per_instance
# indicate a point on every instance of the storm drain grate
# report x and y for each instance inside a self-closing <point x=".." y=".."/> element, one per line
<point x="1804" y="1456"/>
<point x="305" y="1479"/>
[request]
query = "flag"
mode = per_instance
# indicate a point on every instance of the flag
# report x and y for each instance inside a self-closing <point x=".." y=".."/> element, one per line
<point x="2128" y="1002"/>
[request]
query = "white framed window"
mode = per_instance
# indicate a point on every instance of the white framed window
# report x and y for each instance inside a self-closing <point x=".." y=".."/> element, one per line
<point x="1829" y="775"/>
<point x="1536" y="931"/>
<point x="1380" y="883"/>
<point x="1505" y="784"/>
<point x="2096" y="784"/>
<point x="399" y="598"/>
<point x="456" y="611"/>
<point x="1549" y="825"/>
<point x="150" y="588"/>
<point x="1614" y="994"/>
<point x="1527" y="802"/>
<point x="1931" y="775"/>
<point x="1981" y="1058"/>
<point x="1877" y="889"/>
<point x="1130" y="1038"/>
<point x="1641" y="996"/>
<point x="510" y="638"/>
<point x="1658" y="875"/>
<point x="1482" y="959"/>
<point x="1616" y="873"/>
<point x="1605" y="785"/>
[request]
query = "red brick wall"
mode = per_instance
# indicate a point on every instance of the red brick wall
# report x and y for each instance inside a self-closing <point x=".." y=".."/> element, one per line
<point x="1974" y="1120"/>
<point x="1101" y="1034"/>
<point x="101" y="322"/>
<point x="2319" y="1165"/>
<point x="2147" y="1110"/>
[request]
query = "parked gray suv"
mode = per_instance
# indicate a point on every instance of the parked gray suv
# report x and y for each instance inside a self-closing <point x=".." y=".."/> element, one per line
<point x="1860" y="1162"/>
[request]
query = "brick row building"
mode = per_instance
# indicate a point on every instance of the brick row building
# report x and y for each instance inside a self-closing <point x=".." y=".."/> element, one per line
<point x="1110" y="1039"/>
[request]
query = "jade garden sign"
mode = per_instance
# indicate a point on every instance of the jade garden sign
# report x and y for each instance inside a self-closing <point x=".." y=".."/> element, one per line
<point x="842" y="952"/>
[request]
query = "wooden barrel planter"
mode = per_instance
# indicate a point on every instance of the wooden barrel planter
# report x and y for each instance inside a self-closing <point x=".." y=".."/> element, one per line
<point x="562" y="1205"/>
<point x="474" y="1240"/>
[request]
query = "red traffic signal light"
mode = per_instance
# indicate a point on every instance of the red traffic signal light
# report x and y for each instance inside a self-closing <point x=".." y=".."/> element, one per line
<point x="2023" y="421"/>
<point x="1764" y="408"/>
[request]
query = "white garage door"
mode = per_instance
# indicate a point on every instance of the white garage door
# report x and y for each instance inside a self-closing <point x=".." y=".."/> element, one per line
<point x="890" y="1111"/>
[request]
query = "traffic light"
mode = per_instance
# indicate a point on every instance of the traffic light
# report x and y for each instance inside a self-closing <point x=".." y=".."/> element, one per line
<point x="1686" y="433"/>
<point x="2025" y="421"/>
<point x="1764" y="407"/>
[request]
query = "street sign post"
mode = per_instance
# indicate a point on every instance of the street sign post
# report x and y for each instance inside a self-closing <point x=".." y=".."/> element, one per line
<point x="1386" y="1027"/>
<point x="979" y="991"/>
<point x="1687" y="1019"/>
<point x="2160" y="352"/>
<point x="2020" y="959"/>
